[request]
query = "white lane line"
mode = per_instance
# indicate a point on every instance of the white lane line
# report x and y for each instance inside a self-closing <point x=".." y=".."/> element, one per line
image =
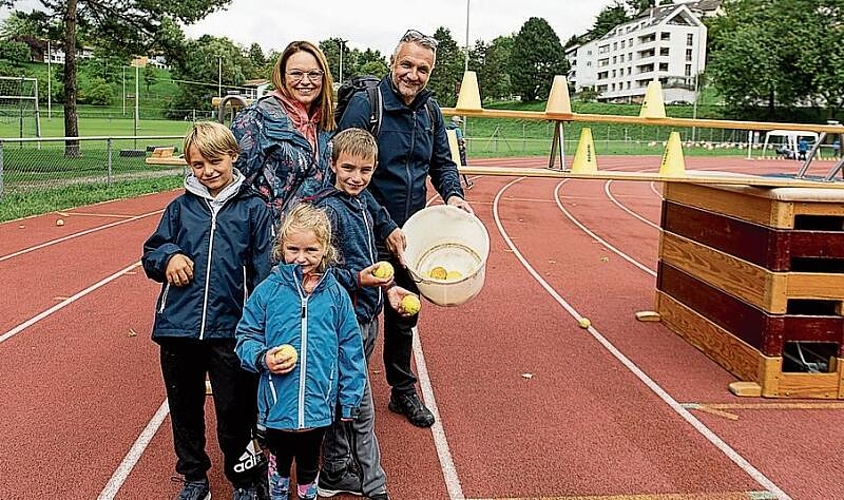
<point x="134" y="455"/>
<point x="452" y="481"/>
<point x="655" y="190"/>
<point x="35" y="319"/>
<point x="713" y="438"/>
<point x="621" y="206"/>
<point x="76" y="235"/>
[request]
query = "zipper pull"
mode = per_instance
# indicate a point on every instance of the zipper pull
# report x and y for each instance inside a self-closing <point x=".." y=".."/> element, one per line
<point x="304" y="310"/>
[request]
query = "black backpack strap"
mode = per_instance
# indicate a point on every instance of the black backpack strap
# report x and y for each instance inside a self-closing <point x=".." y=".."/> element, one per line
<point x="376" y="109"/>
<point x="433" y="116"/>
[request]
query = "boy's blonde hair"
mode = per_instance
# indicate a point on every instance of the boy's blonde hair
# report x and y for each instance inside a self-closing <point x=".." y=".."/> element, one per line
<point x="306" y="217"/>
<point x="354" y="142"/>
<point x="212" y="139"/>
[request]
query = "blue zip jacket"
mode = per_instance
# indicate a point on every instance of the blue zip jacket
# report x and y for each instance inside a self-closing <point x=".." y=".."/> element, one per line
<point x="323" y="330"/>
<point x="353" y="235"/>
<point x="410" y="149"/>
<point x="229" y="239"/>
<point x="277" y="160"/>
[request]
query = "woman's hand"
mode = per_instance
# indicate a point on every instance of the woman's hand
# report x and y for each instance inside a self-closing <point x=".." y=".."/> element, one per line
<point x="179" y="270"/>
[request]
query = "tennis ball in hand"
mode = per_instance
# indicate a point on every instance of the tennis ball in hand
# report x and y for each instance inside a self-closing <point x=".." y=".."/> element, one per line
<point x="286" y="351"/>
<point x="438" y="273"/>
<point x="584" y="323"/>
<point x="384" y="270"/>
<point x="411" y="304"/>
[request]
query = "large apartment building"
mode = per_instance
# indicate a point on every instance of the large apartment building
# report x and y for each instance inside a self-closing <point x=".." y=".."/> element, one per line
<point x="666" y="43"/>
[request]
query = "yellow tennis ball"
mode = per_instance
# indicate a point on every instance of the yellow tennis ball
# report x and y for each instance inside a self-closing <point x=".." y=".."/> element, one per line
<point x="384" y="270"/>
<point x="584" y="323"/>
<point x="411" y="304"/>
<point x="454" y="275"/>
<point x="287" y="351"/>
<point x="438" y="273"/>
<point x="60" y="222"/>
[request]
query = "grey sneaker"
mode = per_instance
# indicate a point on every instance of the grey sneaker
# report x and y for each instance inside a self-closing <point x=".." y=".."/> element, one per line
<point x="249" y="493"/>
<point x="344" y="483"/>
<point x="193" y="490"/>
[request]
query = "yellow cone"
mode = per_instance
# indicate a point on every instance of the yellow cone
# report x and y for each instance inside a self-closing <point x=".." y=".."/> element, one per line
<point x="470" y="97"/>
<point x="585" y="160"/>
<point x="453" y="146"/>
<point x="559" y="102"/>
<point x="673" y="163"/>
<point x="653" y="105"/>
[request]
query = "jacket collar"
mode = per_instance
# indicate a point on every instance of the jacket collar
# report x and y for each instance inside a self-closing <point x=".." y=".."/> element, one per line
<point x="193" y="185"/>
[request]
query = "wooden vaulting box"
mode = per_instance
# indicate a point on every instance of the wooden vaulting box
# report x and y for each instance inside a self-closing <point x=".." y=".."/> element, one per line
<point x="755" y="279"/>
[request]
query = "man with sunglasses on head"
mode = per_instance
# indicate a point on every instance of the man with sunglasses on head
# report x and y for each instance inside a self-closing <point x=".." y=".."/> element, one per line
<point x="412" y="145"/>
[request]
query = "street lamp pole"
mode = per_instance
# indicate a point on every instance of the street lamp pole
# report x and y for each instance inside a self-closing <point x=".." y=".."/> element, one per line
<point x="220" y="76"/>
<point x="466" y="68"/>
<point x="342" y="43"/>
<point x="49" y="81"/>
<point x="137" y="62"/>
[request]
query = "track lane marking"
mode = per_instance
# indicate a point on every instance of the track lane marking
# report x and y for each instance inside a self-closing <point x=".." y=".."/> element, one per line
<point x="710" y="436"/>
<point x="737" y="495"/>
<point x="61" y="305"/>
<point x="76" y="235"/>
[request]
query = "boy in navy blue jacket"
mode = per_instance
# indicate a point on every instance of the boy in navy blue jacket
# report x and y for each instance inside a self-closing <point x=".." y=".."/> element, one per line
<point x="353" y="214"/>
<point x="211" y="248"/>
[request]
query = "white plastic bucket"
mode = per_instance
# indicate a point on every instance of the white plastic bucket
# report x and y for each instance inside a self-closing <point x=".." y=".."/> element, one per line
<point x="444" y="236"/>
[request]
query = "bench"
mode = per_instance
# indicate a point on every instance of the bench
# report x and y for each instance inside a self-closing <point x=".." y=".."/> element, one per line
<point x="163" y="152"/>
<point x="132" y="153"/>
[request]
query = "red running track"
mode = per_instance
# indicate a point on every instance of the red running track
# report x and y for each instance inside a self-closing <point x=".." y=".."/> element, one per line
<point x="530" y="405"/>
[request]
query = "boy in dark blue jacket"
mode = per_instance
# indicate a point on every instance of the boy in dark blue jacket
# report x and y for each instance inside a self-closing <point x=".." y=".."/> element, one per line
<point x="211" y="248"/>
<point x="353" y="214"/>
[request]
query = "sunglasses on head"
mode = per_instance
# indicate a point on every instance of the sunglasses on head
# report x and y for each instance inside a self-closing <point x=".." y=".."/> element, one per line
<point x="417" y="36"/>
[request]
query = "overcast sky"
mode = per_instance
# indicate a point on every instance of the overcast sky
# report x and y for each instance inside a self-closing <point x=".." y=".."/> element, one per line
<point x="378" y="24"/>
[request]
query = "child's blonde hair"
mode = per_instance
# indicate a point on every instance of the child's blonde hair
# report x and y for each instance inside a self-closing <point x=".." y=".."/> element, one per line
<point x="354" y="142"/>
<point x="212" y="139"/>
<point x="306" y="217"/>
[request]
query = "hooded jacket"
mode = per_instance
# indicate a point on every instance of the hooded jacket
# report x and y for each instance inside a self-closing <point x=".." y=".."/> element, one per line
<point x="411" y="146"/>
<point x="331" y="367"/>
<point x="353" y="235"/>
<point x="229" y="239"/>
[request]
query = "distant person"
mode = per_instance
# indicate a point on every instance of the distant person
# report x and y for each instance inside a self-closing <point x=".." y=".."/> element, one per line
<point x="283" y="136"/>
<point x="836" y="148"/>
<point x="455" y="124"/>
<point x="802" y="148"/>
<point x="301" y="305"/>
<point x="351" y="446"/>
<point x="412" y="145"/>
<point x="199" y="306"/>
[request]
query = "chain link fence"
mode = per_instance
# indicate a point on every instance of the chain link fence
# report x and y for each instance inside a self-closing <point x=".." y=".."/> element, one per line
<point x="31" y="165"/>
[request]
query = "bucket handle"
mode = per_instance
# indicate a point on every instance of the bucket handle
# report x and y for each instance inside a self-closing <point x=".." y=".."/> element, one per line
<point x="414" y="276"/>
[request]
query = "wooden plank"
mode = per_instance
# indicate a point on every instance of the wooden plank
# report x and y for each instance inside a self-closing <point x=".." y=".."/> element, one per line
<point x="635" y="120"/>
<point x="163" y="152"/>
<point x="750" y="208"/>
<point x="821" y="286"/>
<point x="768" y="375"/>
<point x="809" y="385"/>
<point x="746" y="389"/>
<point x="692" y="177"/>
<point x="718" y="344"/>
<point x="171" y="160"/>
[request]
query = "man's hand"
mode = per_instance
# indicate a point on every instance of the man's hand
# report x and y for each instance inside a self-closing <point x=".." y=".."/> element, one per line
<point x="456" y="201"/>
<point x="394" y="296"/>
<point x="179" y="270"/>
<point x="396" y="244"/>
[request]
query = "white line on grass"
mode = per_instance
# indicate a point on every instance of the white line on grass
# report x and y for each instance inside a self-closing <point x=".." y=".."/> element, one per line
<point x="746" y="466"/>
<point x="131" y="459"/>
<point x="76" y="235"/>
<point x="66" y="302"/>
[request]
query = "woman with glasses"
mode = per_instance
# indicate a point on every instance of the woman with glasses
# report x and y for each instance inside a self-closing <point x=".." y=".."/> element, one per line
<point x="283" y="136"/>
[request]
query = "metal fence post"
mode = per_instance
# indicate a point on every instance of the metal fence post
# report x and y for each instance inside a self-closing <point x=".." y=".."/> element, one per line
<point x="2" y="190"/>
<point x="109" y="153"/>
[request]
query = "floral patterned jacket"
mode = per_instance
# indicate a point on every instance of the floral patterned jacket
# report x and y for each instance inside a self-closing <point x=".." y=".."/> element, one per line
<point x="278" y="162"/>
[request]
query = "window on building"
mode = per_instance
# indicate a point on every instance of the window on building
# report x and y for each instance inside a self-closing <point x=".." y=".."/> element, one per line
<point x="665" y="35"/>
<point x="622" y="44"/>
<point x="615" y="46"/>
<point x="628" y="85"/>
<point x="664" y="51"/>
<point x="621" y="58"/>
<point x="663" y="66"/>
<point x="688" y="54"/>
<point x="688" y="70"/>
<point x="690" y="39"/>
<point x="613" y="73"/>
<point x="588" y="63"/>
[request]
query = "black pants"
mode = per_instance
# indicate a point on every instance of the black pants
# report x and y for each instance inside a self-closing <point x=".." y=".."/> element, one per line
<point x="303" y="446"/>
<point x="184" y="364"/>
<point x="398" y="336"/>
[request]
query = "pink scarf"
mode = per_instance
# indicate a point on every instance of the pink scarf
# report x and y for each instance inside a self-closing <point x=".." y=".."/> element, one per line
<point x="298" y="114"/>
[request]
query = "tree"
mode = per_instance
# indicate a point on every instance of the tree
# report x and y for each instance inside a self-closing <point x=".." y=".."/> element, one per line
<point x="448" y="69"/>
<point x="493" y="67"/>
<point x="640" y="6"/>
<point x="610" y="17"/>
<point x="256" y="55"/>
<point x="370" y="62"/>
<point x="536" y="57"/>
<point x="821" y="59"/>
<point x="331" y="48"/>
<point x="123" y="26"/>
<point x="150" y="76"/>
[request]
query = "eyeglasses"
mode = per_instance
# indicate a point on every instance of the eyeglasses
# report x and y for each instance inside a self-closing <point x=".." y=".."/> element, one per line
<point x="422" y="39"/>
<point x="298" y="75"/>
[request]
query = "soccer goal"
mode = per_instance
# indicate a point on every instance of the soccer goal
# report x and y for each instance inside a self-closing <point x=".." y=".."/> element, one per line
<point x="19" y="113"/>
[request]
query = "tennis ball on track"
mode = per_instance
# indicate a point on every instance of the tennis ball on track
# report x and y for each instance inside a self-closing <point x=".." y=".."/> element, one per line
<point x="384" y="270"/>
<point x="584" y="323"/>
<point x="411" y="304"/>
<point x="286" y="351"/>
<point x="438" y="273"/>
<point x="60" y="222"/>
<point x="454" y="275"/>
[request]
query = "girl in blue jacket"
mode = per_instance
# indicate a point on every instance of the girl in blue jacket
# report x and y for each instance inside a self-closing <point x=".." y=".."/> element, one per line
<point x="299" y="332"/>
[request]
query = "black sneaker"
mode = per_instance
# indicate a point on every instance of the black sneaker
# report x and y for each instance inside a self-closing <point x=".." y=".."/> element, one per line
<point x="411" y="407"/>
<point x="380" y="496"/>
<point x="193" y="490"/>
<point x="253" y="492"/>
<point x="345" y="483"/>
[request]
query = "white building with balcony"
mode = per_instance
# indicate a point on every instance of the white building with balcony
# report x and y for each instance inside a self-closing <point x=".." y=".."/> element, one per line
<point x="667" y="43"/>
